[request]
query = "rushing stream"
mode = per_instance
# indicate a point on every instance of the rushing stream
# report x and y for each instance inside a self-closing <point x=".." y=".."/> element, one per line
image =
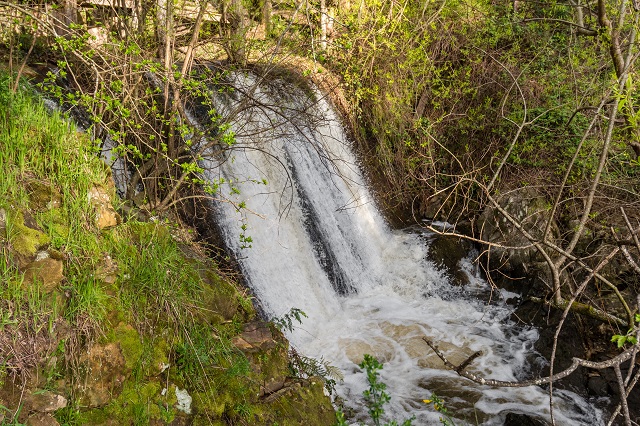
<point x="319" y="244"/>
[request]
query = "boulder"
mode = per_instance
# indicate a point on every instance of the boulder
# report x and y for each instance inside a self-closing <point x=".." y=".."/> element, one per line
<point x="446" y="252"/>
<point x="102" y="378"/>
<point x="26" y="237"/>
<point x="531" y="210"/>
<point x="46" y="271"/>
<point x="45" y="401"/>
<point x="41" y="419"/>
<point x="256" y="337"/>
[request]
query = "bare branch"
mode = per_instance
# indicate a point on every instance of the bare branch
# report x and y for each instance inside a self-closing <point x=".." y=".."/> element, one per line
<point x="576" y="362"/>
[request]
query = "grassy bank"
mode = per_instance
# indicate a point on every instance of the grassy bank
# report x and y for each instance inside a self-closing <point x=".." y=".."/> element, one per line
<point x="108" y="320"/>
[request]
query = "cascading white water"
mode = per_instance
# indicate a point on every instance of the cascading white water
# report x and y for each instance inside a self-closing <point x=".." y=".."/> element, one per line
<point x="319" y="244"/>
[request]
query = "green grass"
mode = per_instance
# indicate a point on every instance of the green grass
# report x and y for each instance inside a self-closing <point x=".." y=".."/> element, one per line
<point x="156" y="307"/>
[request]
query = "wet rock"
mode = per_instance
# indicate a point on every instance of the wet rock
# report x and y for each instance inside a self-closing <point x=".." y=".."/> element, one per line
<point x="103" y="375"/>
<point x="437" y="207"/>
<point x="42" y="419"/>
<point x="598" y="386"/>
<point x="446" y="252"/>
<point x="571" y="341"/>
<point x="106" y="216"/>
<point x="47" y="271"/>
<point x="45" y="401"/>
<point x="517" y="419"/>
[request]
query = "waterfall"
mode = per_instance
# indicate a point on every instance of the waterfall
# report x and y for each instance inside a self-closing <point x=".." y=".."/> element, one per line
<point x="319" y="244"/>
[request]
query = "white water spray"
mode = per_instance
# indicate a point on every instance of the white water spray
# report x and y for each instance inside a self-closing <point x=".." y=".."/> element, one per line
<point x="319" y="244"/>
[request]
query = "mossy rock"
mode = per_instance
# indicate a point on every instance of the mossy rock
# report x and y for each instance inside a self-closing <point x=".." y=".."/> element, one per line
<point x="220" y="299"/>
<point x="211" y="404"/>
<point x="266" y="349"/>
<point x="144" y="232"/>
<point x="301" y="404"/>
<point x="43" y="195"/>
<point x="24" y="236"/>
<point x="142" y="402"/>
<point x="97" y="417"/>
<point x="47" y="272"/>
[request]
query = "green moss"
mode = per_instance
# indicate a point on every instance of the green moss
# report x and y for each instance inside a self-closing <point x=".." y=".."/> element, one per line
<point x="141" y="402"/>
<point x="24" y="240"/>
<point x="56" y="225"/>
<point x="130" y="343"/>
<point x="156" y="356"/>
<point x="161" y="350"/>
<point x="299" y="405"/>
<point x="96" y="416"/>
<point x="212" y="403"/>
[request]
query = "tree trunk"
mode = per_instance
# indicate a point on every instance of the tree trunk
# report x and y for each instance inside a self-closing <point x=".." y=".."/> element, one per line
<point x="238" y="23"/>
<point x="324" y="20"/>
<point x="266" y="17"/>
